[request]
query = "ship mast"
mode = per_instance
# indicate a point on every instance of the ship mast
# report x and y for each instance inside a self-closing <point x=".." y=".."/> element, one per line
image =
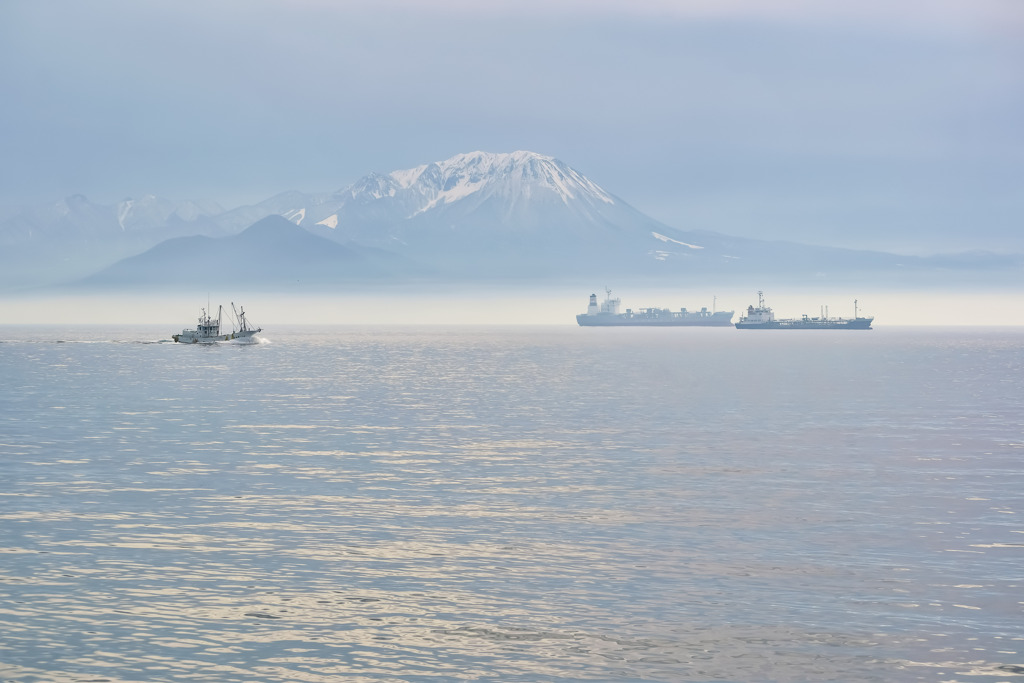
<point x="854" y="309"/>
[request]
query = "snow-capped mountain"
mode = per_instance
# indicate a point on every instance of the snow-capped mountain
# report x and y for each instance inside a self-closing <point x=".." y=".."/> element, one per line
<point x="472" y="181"/>
<point x="478" y="215"/>
<point x="515" y="192"/>
<point x="520" y="212"/>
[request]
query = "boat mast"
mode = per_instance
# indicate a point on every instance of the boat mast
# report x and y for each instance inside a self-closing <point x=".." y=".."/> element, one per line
<point x="854" y="309"/>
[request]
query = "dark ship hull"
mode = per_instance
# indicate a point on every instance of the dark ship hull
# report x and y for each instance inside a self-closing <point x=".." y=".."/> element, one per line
<point x="808" y="324"/>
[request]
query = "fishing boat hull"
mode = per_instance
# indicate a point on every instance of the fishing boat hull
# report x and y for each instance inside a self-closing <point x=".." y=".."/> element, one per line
<point x="189" y="337"/>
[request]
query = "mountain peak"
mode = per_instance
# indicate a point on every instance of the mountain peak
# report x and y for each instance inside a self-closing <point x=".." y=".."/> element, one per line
<point x="510" y="175"/>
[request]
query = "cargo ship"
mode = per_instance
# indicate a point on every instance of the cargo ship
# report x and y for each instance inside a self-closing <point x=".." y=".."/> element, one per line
<point x="608" y="314"/>
<point x="761" y="317"/>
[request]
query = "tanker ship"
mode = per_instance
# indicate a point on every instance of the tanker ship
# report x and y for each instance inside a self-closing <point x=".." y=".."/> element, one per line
<point x="761" y="317"/>
<point x="607" y="314"/>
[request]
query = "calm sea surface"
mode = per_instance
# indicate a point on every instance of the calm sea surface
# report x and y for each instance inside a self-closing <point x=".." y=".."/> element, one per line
<point x="512" y="504"/>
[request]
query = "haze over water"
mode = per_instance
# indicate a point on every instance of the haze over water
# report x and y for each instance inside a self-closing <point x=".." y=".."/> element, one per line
<point x="512" y="504"/>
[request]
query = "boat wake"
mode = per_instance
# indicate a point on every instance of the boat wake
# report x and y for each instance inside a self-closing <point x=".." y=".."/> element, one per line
<point x="249" y="341"/>
<point x="245" y="341"/>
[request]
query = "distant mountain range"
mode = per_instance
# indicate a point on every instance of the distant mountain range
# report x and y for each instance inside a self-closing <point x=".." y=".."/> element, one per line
<point x="273" y="250"/>
<point x="474" y="216"/>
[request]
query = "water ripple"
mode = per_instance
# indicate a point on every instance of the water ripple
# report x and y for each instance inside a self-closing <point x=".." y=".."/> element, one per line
<point x="494" y="505"/>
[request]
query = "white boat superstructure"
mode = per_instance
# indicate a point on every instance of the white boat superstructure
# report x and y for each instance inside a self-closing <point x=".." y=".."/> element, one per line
<point x="208" y="329"/>
<point x="760" y="314"/>
<point x="609" y="314"/>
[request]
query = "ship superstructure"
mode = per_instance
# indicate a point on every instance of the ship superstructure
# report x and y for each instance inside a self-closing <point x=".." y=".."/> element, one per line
<point x="208" y="329"/>
<point x="761" y="317"/>
<point x="608" y="314"/>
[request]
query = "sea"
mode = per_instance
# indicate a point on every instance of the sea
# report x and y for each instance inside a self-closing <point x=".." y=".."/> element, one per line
<point x="512" y="503"/>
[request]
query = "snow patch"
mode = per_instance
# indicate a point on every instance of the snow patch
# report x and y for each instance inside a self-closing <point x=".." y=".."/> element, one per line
<point x="408" y="177"/>
<point x="380" y="194"/>
<point x="123" y="211"/>
<point x="461" y="190"/>
<point x="454" y="179"/>
<point x="659" y="236"/>
<point x="296" y="216"/>
<point x="331" y="221"/>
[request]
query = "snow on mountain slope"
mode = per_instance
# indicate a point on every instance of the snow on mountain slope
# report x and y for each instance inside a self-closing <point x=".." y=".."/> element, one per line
<point x="480" y="208"/>
<point x="467" y="180"/>
<point x="481" y="187"/>
<point x="485" y="173"/>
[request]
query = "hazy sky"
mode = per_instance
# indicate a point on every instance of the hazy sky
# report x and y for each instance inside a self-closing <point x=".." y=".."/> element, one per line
<point x="896" y="125"/>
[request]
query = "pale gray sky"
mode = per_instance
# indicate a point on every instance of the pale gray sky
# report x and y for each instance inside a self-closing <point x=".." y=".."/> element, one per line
<point x="869" y="124"/>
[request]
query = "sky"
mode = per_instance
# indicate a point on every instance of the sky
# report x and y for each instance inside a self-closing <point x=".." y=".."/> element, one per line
<point x="876" y="125"/>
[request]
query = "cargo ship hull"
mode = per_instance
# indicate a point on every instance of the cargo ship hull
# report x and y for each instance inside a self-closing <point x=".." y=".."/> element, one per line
<point x="839" y="324"/>
<point x="720" y="319"/>
<point x="607" y="315"/>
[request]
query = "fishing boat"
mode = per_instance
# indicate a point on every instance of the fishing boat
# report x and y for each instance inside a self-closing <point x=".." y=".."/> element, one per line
<point x="208" y="329"/>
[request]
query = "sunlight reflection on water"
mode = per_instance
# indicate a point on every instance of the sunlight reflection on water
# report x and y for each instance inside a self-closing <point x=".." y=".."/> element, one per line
<point x="513" y="504"/>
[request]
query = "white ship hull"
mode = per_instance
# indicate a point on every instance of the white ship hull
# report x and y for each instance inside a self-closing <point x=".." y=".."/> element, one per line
<point x="190" y="337"/>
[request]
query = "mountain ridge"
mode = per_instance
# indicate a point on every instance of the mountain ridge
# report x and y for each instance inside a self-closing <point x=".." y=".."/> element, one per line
<point x="476" y="215"/>
<point x="293" y="255"/>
